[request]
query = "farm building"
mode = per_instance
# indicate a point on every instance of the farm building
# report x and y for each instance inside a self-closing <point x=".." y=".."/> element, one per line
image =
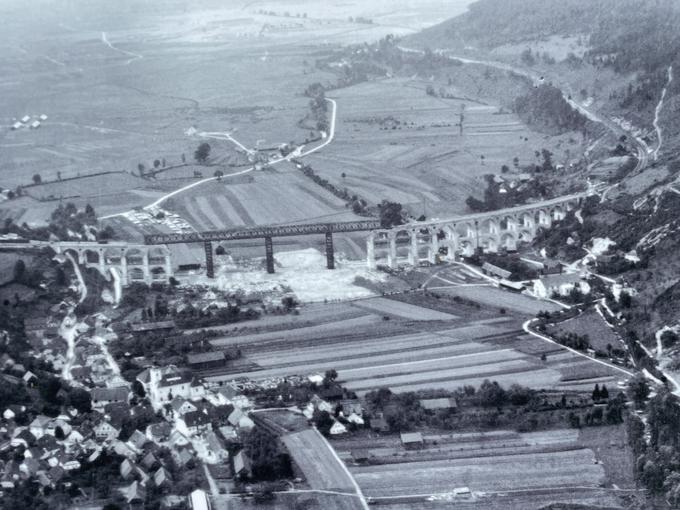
<point x="25" y="119"/>
<point x="435" y="404"/>
<point x="35" y="124"/>
<point x="412" y="440"/>
<point x="561" y="284"/>
<point x="43" y="117"/>
<point x="203" y="360"/>
<point x="143" y="327"/>
<point x="359" y="456"/>
<point x="514" y="286"/>
<point x="490" y="269"/>
<point x="199" y="500"/>
<point x="104" y="396"/>
<point x="17" y="125"/>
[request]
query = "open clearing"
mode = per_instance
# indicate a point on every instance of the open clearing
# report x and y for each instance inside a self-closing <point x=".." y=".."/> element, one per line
<point x="411" y="351"/>
<point x="589" y="323"/>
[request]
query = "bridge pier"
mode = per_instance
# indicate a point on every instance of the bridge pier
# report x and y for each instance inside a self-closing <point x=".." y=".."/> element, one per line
<point x="413" y="257"/>
<point x="209" y="262"/>
<point x="434" y="246"/>
<point x="392" y="253"/>
<point x="330" y="254"/>
<point x="370" y="251"/>
<point x="269" y="253"/>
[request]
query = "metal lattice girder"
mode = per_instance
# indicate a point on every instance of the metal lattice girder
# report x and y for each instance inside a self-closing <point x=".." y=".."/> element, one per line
<point x="263" y="231"/>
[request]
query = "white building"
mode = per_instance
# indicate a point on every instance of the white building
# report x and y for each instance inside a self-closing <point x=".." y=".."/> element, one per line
<point x="561" y="284"/>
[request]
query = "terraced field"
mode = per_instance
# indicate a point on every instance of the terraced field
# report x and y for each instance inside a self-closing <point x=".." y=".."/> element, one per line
<point x="385" y="343"/>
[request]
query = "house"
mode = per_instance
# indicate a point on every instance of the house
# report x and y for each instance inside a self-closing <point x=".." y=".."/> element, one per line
<point x="135" y="495"/>
<point x="105" y="430"/>
<point x="43" y="117"/>
<point x="16" y="126"/>
<point x="215" y="449"/>
<point x="12" y="411"/>
<point x="560" y="284"/>
<point x="436" y="404"/>
<point x="158" y="432"/>
<point x="181" y="406"/>
<point x="198" y="500"/>
<point x="162" y="477"/>
<point x="349" y="406"/>
<point x="25" y="119"/>
<point x="183" y="455"/>
<point x="30" y="378"/>
<point x="337" y="428"/>
<point x="35" y="124"/>
<point x="206" y="360"/>
<point x="127" y="469"/>
<point x="103" y="396"/>
<point x="241" y="465"/>
<point x="149" y="461"/>
<point x="412" y="440"/>
<point x="492" y="270"/>
<point x="22" y="437"/>
<point x="194" y="422"/>
<point x="136" y="441"/>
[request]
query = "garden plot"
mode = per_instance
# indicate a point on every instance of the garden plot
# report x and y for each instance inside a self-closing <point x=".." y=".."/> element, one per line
<point x="404" y="310"/>
<point x="496" y="473"/>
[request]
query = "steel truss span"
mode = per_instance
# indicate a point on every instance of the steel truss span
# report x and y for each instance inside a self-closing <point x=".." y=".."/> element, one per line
<point x="262" y="232"/>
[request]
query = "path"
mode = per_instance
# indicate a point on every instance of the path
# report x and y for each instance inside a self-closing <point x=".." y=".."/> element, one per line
<point x="135" y="56"/>
<point x="657" y="113"/>
<point x="300" y="153"/>
<point x="68" y="329"/>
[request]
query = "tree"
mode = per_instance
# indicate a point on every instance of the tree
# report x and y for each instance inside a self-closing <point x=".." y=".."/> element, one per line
<point x="323" y="421"/>
<point x="141" y="167"/>
<point x="58" y="175"/>
<point x="219" y="174"/>
<point x="491" y="394"/>
<point x="37" y="179"/>
<point x="330" y="376"/>
<point x="604" y="393"/>
<point x="638" y="389"/>
<point x="597" y="395"/>
<point x="138" y="389"/>
<point x="390" y="214"/>
<point x="156" y="163"/>
<point x="202" y="152"/>
<point x="19" y="270"/>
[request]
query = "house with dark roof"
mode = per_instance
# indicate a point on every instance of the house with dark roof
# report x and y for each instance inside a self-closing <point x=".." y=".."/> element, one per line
<point x="206" y="360"/>
<point x="194" y="422"/>
<point x="104" y="396"/>
<point x="436" y="404"/>
<point x="412" y="440"/>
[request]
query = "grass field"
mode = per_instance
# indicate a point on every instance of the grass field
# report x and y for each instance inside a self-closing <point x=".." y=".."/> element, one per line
<point x="592" y="324"/>
<point x="412" y="350"/>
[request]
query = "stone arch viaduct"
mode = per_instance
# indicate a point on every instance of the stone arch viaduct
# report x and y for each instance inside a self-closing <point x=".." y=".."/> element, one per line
<point x="408" y="244"/>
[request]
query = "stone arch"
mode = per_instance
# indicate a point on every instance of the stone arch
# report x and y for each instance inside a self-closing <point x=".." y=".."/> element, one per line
<point x="543" y="218"/>
<point x="490" y="244"/>
<point x="528" y="220"/>
<point x="557" y="213"/>
<point x="525" y="236"/>
<point x="134" y="257"/>
<point x="91" y="256"/>
<point x="158" y="255"/>
<point x="508" y="241"/>
<point x="489" y="226"/>
<point x="466" y="229"/>
<point x="113" y="256"/>
<point x="158" y="274"/>
<point x="136" y="274"/>
<point x="467" y="248"/>
<point x="77" y="255"/>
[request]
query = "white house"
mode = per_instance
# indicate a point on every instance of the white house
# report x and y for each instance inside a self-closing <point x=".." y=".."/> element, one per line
<point x="561" y="284"/>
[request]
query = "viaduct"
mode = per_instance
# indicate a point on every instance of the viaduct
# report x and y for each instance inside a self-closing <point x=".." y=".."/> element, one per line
<point x="405" y="244"/>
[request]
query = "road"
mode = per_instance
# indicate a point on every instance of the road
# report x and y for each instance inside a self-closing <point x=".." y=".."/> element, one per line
<point x="657" y="114"/>
<point x="295" y="154"/>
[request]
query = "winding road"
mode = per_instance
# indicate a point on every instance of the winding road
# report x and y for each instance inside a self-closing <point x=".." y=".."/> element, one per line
<point x="295" y="154"/>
